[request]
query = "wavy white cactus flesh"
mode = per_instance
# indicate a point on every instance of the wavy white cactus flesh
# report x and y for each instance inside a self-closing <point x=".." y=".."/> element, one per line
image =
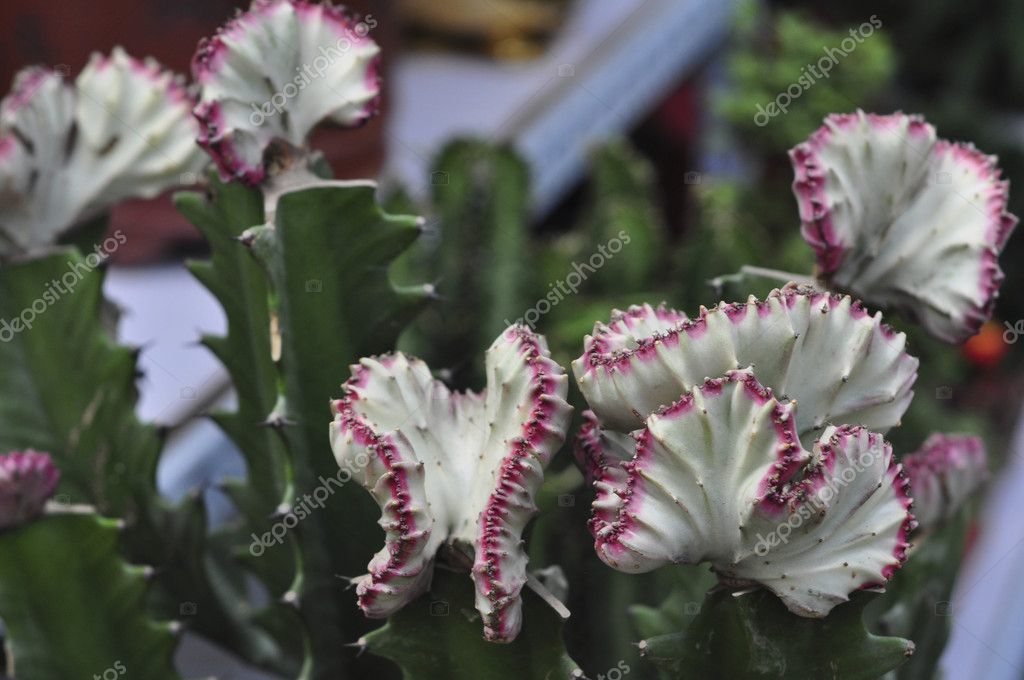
<point x="944" y="473"/>
<point x="459" y="469"/>
<point x="905" y="220"/>
<point x="27" y="480"/>
<point x="720" y="476"/>
<point x="822" y="351"/>
<point x="273" y="73"/>
<point x="68" y="152"/>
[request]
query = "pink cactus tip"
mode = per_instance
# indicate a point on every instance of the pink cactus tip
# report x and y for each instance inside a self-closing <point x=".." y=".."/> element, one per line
<point x="27" y="480"/>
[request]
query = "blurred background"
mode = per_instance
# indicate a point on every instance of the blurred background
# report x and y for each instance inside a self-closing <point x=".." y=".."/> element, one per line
<point x="528" y="132"/>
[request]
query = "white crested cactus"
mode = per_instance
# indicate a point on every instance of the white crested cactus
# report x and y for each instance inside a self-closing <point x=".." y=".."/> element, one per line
<point x="720" y="476"/>
<point x="944" y="473"/>
<point x="824" y="351"/>
<point x="453" y="469"/>
<point x="68" y="152"/>
<point x="771" y="473"/>
<point x="273" y="73"/>
<point x="904" y="220"/>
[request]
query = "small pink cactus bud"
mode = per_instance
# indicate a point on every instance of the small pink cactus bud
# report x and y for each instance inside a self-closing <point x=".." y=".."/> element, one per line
<point x="27" y="480"/>
<point x="944" y="473"/>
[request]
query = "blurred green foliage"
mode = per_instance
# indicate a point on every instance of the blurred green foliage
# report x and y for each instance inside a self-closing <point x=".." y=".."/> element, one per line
<point x="476" y="248"/>
<point x="779" y="53"/>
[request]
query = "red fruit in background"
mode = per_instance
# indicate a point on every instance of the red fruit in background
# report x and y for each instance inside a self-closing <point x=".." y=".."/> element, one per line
<point x="987" y="348"/>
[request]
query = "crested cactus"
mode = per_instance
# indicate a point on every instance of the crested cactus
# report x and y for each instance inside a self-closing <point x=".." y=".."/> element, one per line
<point x="749" y="437"/>
<point x="64" y="157"/>
<point x="826" y="352"/>
<point x="728" y="458"/>
<point x="271" y="74"/>
<point x="423" y="459"/>
<point x="905" y="220"/>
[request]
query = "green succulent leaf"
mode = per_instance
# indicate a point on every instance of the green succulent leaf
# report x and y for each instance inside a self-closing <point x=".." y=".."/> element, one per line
<point x="268" y="636"/>
<point x="238" y="282"/>
<point x="68" y="388"/>
<point x="327" y="256"/>
<point x="753" y="636"/>
<point x="73" y="608"/>
<point x="75" y="398"/>
<point x="439" y="633"/>
<point x="690" y="585"/>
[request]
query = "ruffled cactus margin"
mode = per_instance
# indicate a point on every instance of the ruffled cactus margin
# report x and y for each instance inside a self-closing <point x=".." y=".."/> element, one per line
<point x="904" y="220"/>
<point x="749" y="437"/>
<point x="458" y="471"/>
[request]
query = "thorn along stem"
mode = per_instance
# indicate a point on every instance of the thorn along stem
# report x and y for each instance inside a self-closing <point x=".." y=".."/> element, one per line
<point x="534" y="584"/>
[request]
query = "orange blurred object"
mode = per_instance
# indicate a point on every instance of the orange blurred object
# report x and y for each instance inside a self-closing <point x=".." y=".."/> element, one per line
<point x="987" y="348"/>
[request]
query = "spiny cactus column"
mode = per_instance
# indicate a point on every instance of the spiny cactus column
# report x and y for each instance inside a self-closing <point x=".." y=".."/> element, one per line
<point x="480" y="197"/>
